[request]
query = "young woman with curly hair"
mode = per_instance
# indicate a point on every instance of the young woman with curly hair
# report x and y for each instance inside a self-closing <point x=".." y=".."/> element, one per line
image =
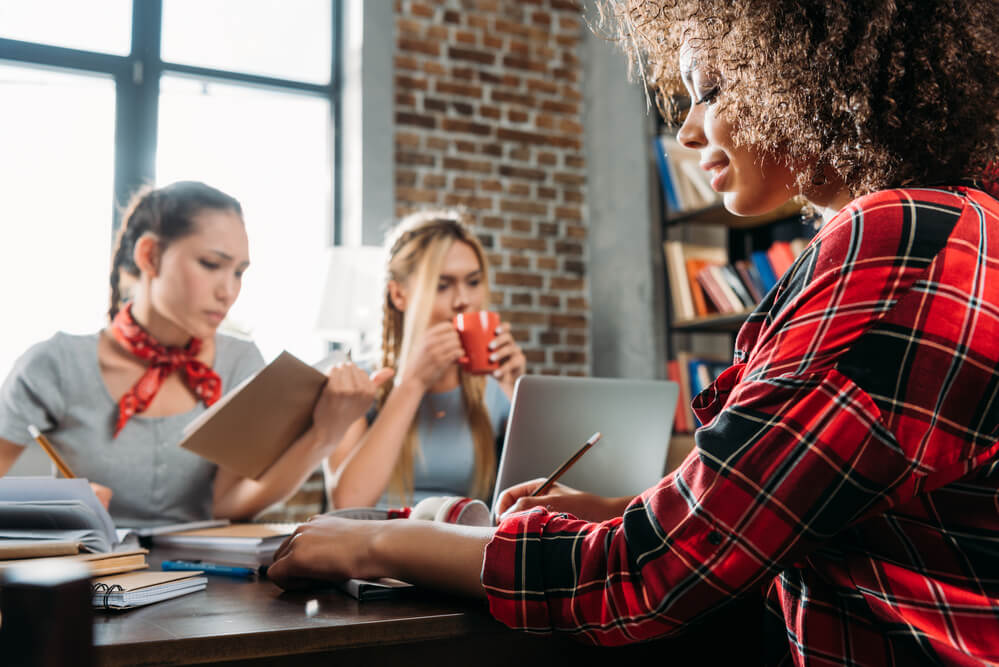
<point x="848" y="466"/>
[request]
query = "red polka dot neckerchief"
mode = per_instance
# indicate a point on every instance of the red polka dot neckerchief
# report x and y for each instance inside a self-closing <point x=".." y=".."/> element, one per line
<point x="199" y="377"/>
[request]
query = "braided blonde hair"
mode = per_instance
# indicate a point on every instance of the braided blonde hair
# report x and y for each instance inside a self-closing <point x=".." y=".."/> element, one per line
<point x="416" y="250"/>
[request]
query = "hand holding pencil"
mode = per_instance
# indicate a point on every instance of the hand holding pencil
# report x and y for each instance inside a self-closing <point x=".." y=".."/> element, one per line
<point x="557" y="497"/>
<point x="102" y="492"/>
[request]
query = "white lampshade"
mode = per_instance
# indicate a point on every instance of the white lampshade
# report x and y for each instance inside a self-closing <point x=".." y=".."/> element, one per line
<point x="351" y="306"/>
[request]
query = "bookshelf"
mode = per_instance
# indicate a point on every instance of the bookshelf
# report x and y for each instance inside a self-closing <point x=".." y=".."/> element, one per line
<point x="717" y="267"/>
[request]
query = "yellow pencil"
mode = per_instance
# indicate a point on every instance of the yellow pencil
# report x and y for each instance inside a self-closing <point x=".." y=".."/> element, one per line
<point x="552" y="478"/>
<point x="50" y="450"/>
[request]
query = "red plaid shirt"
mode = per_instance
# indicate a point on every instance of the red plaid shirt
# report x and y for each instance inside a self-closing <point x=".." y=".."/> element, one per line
<point x="848" y="465"/>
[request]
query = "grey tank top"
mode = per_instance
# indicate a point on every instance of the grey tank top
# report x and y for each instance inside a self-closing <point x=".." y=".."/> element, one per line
<point x="57" y="386"/>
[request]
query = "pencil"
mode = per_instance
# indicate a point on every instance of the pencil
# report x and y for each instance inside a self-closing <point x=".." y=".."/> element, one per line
<point x="552" y="478"/>
<point x="50" y="450"/>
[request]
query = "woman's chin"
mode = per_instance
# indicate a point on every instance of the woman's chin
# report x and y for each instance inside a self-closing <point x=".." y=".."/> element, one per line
<point x="737" y="204"/>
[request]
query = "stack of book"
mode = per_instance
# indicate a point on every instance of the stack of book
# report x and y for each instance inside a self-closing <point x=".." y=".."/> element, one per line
<point x="702" y="282"/>
<point x="120" y="579"/>
<point x="250" y="545"/>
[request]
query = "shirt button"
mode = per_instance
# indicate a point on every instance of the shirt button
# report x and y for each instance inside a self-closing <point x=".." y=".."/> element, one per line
<point x="715" y="538"/>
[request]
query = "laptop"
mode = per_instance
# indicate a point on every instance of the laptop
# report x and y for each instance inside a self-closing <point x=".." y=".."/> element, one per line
<point x="552" y="416"/>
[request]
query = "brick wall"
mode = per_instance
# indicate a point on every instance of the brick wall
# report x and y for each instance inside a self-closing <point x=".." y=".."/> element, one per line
<point x="488" y="115"/>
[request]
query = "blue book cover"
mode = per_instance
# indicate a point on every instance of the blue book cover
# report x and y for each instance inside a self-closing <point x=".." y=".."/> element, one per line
<point x="669" y="191"/>
<point x="762" y="264"/>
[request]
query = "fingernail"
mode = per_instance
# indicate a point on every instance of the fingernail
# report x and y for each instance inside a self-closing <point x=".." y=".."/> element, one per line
<point x="497" y="373"/>
<point x="492" y="344"/>
<point x="492" y="357"/>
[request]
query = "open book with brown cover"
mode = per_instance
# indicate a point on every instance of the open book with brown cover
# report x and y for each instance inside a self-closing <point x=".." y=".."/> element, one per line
<point x="249" y="428"/>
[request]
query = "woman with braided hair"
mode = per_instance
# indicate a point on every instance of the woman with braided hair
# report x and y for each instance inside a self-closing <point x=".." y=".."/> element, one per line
<point x="846" y="476"/>
<point x="435" y="431"/>
<point x="114" y="403"/>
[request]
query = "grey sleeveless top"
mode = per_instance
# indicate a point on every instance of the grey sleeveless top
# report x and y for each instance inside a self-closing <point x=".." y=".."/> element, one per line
<point x="57" y="386"/>
<point x="447" y="463"/>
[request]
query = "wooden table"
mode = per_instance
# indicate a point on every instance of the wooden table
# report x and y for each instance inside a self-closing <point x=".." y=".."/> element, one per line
<point x="254" y="622"/>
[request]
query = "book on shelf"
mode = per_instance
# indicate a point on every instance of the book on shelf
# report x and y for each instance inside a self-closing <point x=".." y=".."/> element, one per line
<point x="681" y="420"/>
<point x="686" y="187"/>
<point x="765" y="269"/>
<point x="137" y="589"/>
<point x="744" y="299"/>
<point x="781" y="257"/>
<point x="751" y="279"/>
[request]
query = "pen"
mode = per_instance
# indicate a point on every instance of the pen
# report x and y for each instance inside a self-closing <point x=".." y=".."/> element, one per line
<point x="208" y="568"/>
<point x="552" y="478"/>
<point x="50" y="450"/>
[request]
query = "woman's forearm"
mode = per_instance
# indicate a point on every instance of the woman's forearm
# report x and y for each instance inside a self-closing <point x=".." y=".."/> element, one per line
<point x="244" y="498"/>
<point x="365" y="474"/>
<point x="435" y="555"/>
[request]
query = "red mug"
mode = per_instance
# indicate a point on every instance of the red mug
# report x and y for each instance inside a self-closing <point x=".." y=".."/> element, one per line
<point x="477" y="329"/>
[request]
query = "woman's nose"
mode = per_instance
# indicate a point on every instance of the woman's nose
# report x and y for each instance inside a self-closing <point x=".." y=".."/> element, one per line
<point x="691" y="133"/>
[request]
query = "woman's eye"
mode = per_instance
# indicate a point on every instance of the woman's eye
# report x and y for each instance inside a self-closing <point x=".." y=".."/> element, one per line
<point x="442" y="286"/>
<point x="208" y="265"/>
<point x="709" y="97"/>
<point x="474" y="282"/>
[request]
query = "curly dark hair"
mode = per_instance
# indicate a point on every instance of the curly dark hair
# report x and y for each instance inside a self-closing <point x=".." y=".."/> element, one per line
<point x="887" y="93"/>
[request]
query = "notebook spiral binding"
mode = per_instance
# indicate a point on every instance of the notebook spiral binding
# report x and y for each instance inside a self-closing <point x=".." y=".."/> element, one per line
<point x="104" y="589"/>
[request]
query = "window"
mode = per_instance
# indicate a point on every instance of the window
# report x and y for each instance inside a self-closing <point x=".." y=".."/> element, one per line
<point x="241" y="94"/>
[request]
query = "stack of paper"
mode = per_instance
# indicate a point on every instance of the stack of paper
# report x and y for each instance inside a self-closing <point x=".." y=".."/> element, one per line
<point x="241" y="544"/>
<point x="97" y="563"/>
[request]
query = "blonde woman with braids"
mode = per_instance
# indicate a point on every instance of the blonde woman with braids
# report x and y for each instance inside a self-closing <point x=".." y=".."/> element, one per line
<point x="436" y="429"/>
<point x="115" y="402"/>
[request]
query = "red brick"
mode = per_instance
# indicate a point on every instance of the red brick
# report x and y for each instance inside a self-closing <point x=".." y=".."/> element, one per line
<point x="463" y="73"/>
<point x="528" y="207"/>
<point x="570" y="126"/>
<point x="549" y="371"/>
<point x="575" y="161"/>
<point x="566" y="283"/>
<point x="541" y="18"/>
<point x="435" y="68"/>
<point x="419" y="46"/>
<point x="512" y="28"/>
<point x="575" y="231"/>
<point x="518" y="189"/>
<point x="416" y="195"/>
<point x="515" y="116"/>
<point x="458" y="89"/>
<point x="492" y="222"/>
<point x="420" y="120"/>
<point x="522" y="317"/>
<point x="452" y="16"/>
<point x="468" y="165"/>
<point x="576" y="339"/>
<point x="541" y="86"/>
<point x="577" y="303"/>
<point x="560" y="107"/>
<point x="409" y="157"/>
<point x="405" y="178"/>
<point x="407" y="139"/>
<point x="405" y="100"/>
<point x="520" y="335"/>
<point x="574" y="266"/>
<point x="463" y="183"/>
<point x="521" y="225"/>
<point x="569" y="248"/>
<point x="570" y="41"/>
<point x="419" y="9"/>
<point x="518" y="279"/>
<point x="465" y="37"/>
<point x="524" y="63"/>
<point x="500" y="96"/>
<point x="407" y="62"/>
<point x="569" y="357"/>
<point x="491" y="185"/>
<point x="521" y="153"/>
<point x="568" y="213"/>
<point x="564" y="73"/>
<point x="434" y="180"/>
<point x="440" y="32"/>
<point x="471" y="201"/>
<point x="550" y="301"/>
<point x="574" y="196"/>
<point x="411" y="26"/>
<point x="547" y="159"/>
<point x="522" y="298"/>
<point x="465" y="126"/>
<point x="523" y="243"/>
<point x="519" y="261"/>
<point x="505" y="134"/>
<point x="547" y="263"/>
<point x="478" y="21"/>
<point x="481" y="57"/>
<point x="550" y="337"/>
<point x="496" y="150"/>
<point x="434" y="104"/>
<point x="489" y="112"/>
<point x="492" y="41"/>
<point x="536" y="357"/>
<point x="486" y="76"/>
<point x="548" y="229"/>
<point x="437" y="143"/>
<point x="565" y="178"/>
<point x="547" y="193"/>
<point x="496" y="298"/>
<point x="567" y="321"/>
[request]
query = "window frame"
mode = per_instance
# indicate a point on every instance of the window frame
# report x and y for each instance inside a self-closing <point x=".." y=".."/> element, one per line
<point x="137" y="77"/>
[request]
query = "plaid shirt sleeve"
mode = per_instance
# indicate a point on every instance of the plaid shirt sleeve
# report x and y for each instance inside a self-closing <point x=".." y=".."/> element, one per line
<point x="793" y="452"/>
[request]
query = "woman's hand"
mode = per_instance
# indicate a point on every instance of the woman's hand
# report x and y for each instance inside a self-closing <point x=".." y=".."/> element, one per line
<point x="438" y="349"/>
<point x="347" y="396"/>
<point x="324" y="549"/>
<point x="560" y="498"/>
<point x="505" y="350"/>
<point x="103" y="493"/>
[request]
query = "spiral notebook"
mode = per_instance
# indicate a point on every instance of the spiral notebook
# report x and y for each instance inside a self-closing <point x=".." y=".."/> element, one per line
<point x="137" y="589"/>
